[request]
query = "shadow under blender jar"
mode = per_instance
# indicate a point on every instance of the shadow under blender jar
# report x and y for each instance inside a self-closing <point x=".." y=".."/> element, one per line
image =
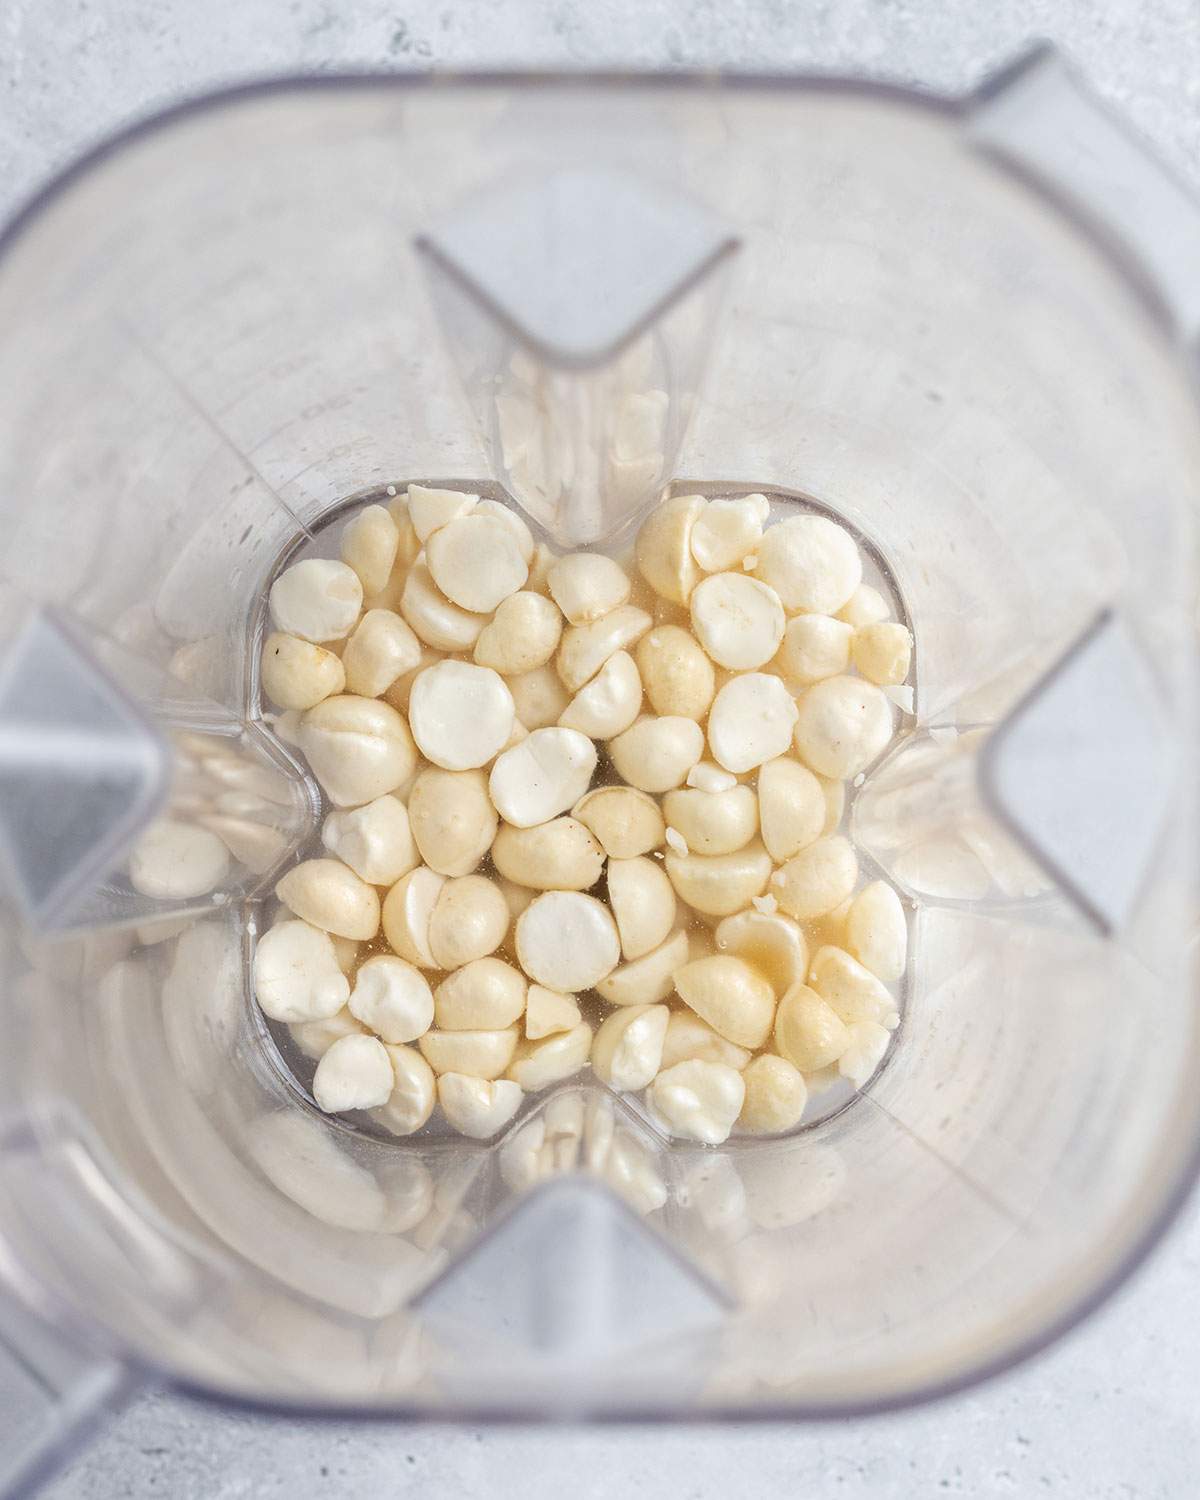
<point x="927" y="319"/>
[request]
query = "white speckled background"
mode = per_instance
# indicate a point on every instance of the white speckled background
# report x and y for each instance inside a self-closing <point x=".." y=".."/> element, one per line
<point x="1112" y="1412"/>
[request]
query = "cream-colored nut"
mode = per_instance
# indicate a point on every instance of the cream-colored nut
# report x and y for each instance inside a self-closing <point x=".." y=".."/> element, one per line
<point x="814" y="647"/>
<point x="713" y="822"/>
<point x="834" y="792"/>
<point x="775" y="1095"/>
<point x="314" y="1038"/>
<point x="509" y="517"/>
<point x="585" y="648"/>
<point x="296" y="974"/>
<point x="655" y="755"/>
<point x="478" y="1054"/>
<point x="470" y="920"/>
<point x="414" y="1091"/>
<point x="678" y="677"/>
<point x="317" y="599"/>
<point x="547" y="1011"/>
<point x="297" y="674"/>
<point x="770" y="943"/>
<point x="328" y="894"/>
<point x="355" y="1073"/>
<point x="876" y="932"/>
<point x="175" y="861"/>
<point x="739" y="620"/>
<point x="381" y="649"/>
<point x="864" y="606"/>
<point x="752" y="720"/>
<point x="734" y="998"/>
<point x="719" y="884"/>
<point x="811" y="563"/>
<point x="407" y="912"/>
<point x="516" y="897"/>
<point x="548" y="772"/>
<point x="536" y="1065"/>
<point x="648" y="979"/>
<point x="453" y="820"/>
<point x="624" y="821"/>
<point x="707" y="777"/>
<point x="477" y="1108"/>
<point x="460" y="715"/>
<point x="698" y="1101"/>
<point x="627" y="1051"/>
<point x="689" y="1037"/>
<point x="609" y="704"/>
<point x="817" y="879"/>
<point x="586" y="585"/>
<point x="358" y="748"/>
<point x="868" y="1043"/>
<point x="430" y="509"/>
<point x="852" y="990"/>
<point x="476" y="562"/>
<point x="643" y="902"/>
<point x="437" y="621"/>
<point x="399" y="692"/>
<point x="725" y="531"/>
<point x="523" y="634"/>
<point x="567" y="941"/>
<point x="882" y="652"/>
<point x="664" y="548"/>
<point x="808" y="1031"/>
<point x="375" y="840"/>
<point x="484" y="995"/>
<point x="369" y="544"/>
<point x="392" y="999"/>
<point x="557" y="856"/>
<point x="842" y="725"/>
<point x="791" y="807"/>
<point x="539" y="697"/>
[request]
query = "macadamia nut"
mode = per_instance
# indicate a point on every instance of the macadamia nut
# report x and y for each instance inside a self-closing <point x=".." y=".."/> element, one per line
<point x="470" y="919"/>
<point x="296" y="974"/>
<point x="726" y="531"/>
<point x="548" y="772"/>
<point x="392" y="998"/>
<point x="328" y="894"/>
<point x="460" y="715"/>
<point x="587" y="585"/>
<point x="381" y="649"/>
<point x="876" y="932"/>
<point x="698" y="1101"/>
<point x="733" y="998"/>
<point x="296" y="674"/>
<point x="523" y="634"/>
<point x="356" y="1073"/>
<point x="817" y="879"/>
<point x="713" y="822"/>
<point x="814" y="647"/>
<point x="775" y="1095"/>
<point x="358" y="748"/>
<point x="627" y="1050"/>
<point x="476" y="562"/>
<point x="882" y="652"/>
<point x="752" y="721"/>
<point x="811" y="563"/>
<point x="677" y="675"/>
<point x="567" y="941"/>
<point x="369" y="544"/>
<point x="842" y="724"/>
<point x="477" y="1108"/>
<point x="655" y="755"/>
<point x="643" y="904"/>
<point x="375" y="840"/>
<point x="624" y="821"/>
<point x="609" y="704"/>
<point x="316" y="599"/>
<point x="738" y="620"/>
<point x="452" y="818"/>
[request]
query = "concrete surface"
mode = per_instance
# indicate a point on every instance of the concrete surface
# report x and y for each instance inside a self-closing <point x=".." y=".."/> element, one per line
<point x="1113" y="1412"/>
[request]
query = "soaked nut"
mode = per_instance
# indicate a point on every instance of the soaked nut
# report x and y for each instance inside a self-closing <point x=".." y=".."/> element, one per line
<point x="547" y="1011"/>
<point x="643" y="903"/>
<point x="678" y="677"/>
<point x="557" y="856"/>
<point x="808" y="1031"/>
<point x="655" y="755"/>
<point x="698" y="1101"/>
<point x="469" y="920"/>
<point x="484" y="995"/>
<point x="876" y="932"/>
<point x="735" y="999"/>
<point x="357" y="748"/>
<point x="175" y="861"/>
<point x="817" y="879"/>
<point x="717" y="885"/>
<point x="713" y="822"/>
<point x="476" y="562"/>
<point x="609" y="704"/>
<point x="707" y="777"/>
<point x="392" y="999"/>
<point x="460" y="715"/>
<point x="523" y="634"/>
<point x="548" y="772"/>
<point x="381" y="649"/>
<point x="814" y="647"/>
<point x="811" y="563"/>
<point x="407" y="912"/>
<point x="316" y="599"/>
<point x="738" y="620"/>
<point x="586" y="585"/>
<point x="430" y="509"/>
<point x="296" y="974"/>
<point x="770" y="943"/>
<point x="476" y="1108"/>
<point x="411" y="1101"/>
<point x="854" y="992"/>
<point x="649" y="979"/>
<point x="752" y="721"/>
<point x="868" y="1043"/>
<point x="567" y="941"/>
<point x="882" y="652"/>
<point x="453" y="820"/>
<point x="314" y="1038"/>
<point x="585" y="648"/>
<point x="689" y="1037"/>
<point x="505" y="513"/>
<point x="375" y="840"/>
<point x="478" y="1054"/>
<point x="539" y="697"/>
<point x="297" y="674"/>
<point x="842" y="725"/>
<point x="776" y="1095"/>
<point x="355" y="1073"/>
<point x="537" y="1065"/>
<point x="624" y="821"/>
<point x="437" y="621"/>
<point x="329" y="895"/>
<point x="791" y="807"/>
<point x="726" y="531"/>
<point x="663" y="550"/>
<point x="627" y="1051"/>
<point x="369" y="544"/>
<point x="864" y="606"/>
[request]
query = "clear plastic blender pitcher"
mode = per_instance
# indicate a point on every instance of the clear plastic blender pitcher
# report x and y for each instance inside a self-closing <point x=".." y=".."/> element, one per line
<point x="964" y="328"/>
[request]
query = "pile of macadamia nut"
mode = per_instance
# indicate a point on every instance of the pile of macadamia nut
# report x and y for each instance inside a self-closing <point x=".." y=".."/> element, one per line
<point x="584" y="815"/>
